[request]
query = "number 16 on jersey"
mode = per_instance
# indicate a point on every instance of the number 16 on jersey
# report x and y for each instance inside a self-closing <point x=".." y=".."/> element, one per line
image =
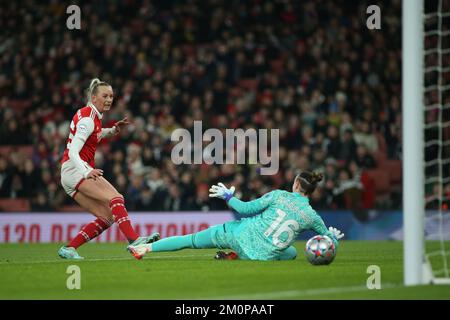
<point x="277" y="229"/>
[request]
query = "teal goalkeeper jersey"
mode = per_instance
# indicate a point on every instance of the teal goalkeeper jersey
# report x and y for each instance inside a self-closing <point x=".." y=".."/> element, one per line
<point x="282" y="215"/>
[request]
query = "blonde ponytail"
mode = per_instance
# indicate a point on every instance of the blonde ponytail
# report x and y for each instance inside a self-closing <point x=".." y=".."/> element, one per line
<point x="95" y="83"/>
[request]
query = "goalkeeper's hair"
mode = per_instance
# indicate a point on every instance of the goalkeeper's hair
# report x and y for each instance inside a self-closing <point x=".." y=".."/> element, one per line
<point x="309" y="181"/>
<point x="93" y="87"/>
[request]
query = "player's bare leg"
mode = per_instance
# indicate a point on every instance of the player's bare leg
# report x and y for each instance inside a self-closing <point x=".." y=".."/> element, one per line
<point x="91" y="230"/>
<point x="101" y="190"/>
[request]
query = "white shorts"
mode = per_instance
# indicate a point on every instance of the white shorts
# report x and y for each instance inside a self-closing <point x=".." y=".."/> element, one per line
<point x="71" y="178"/>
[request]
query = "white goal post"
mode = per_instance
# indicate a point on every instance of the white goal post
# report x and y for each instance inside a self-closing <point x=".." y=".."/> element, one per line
<point x="413" y="141"/>
<point x="416" y="263"/>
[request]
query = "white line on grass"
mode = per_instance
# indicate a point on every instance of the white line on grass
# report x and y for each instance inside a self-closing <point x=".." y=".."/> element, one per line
<point x="296" y="293"/>
<point x="150" y="257"/>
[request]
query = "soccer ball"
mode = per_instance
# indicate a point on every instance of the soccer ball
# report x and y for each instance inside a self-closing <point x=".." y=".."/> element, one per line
<point x="320" y="250"/>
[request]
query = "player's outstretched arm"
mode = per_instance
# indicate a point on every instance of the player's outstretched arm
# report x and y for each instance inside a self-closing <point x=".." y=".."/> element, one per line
<point x="242" y="207"/>
<point x="116" y="128"/>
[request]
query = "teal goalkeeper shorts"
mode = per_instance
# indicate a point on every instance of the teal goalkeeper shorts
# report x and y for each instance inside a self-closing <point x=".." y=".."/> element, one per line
<point x="224" y="237"/>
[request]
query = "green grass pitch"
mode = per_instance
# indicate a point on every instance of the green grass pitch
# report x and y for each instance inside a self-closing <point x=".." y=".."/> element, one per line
<point x="34" y="271"/>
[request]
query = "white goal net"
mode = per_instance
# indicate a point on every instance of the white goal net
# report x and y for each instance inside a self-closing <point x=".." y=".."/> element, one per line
<point x="436" y="97"/>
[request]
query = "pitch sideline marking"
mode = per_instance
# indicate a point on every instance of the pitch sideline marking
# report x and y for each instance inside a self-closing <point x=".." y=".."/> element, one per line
<point x="103" y="259"/>
<point x="295" y="293"/>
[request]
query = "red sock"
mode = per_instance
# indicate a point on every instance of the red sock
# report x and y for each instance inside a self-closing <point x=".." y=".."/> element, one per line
<point x="89" y="232"/>
<point x="122" y="219"/>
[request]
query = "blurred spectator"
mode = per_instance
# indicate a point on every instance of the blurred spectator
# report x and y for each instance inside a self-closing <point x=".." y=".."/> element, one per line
<point x="364" y="136"/>
<point x="348" y="146"/>
<point x="172" y="200"/>
<point x="202" y="202"/>
<point x="146" y="200"/>
<point x="334" y="143"/>
<point x="5" y="178"/>
<point x="40" y="203"/>
<point x="318" y="200"/>
<point x="30" y="179"/>
<point x="363" y="158"/>
<point x="347" y="193"/>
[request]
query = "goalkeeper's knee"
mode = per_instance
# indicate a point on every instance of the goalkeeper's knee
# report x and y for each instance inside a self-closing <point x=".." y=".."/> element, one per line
<point x="289" y="253"/>
<point x="202" y="240"/>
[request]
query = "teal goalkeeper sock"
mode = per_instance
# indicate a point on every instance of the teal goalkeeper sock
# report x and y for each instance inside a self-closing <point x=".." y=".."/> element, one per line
<point x="173" y="243"/>
<point x="197" y="240"/>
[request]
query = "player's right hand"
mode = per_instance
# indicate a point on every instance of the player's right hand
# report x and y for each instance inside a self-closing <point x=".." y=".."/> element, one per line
<point x="336" y="233"/>
<point x="94" y="174"/>
<point x="222" y="192"/>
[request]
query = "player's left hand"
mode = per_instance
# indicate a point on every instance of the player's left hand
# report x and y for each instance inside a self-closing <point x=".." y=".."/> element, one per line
<point x="121" y="124"/>
<point x="336" y="232"/>
<point x="220" y="191"/>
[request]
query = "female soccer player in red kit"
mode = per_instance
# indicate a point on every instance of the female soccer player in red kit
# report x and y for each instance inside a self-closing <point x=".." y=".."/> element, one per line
<point x="86" y="184"/>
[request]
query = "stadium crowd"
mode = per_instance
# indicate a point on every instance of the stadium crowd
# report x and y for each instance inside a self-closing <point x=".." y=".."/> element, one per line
<point x="311" y="69"/>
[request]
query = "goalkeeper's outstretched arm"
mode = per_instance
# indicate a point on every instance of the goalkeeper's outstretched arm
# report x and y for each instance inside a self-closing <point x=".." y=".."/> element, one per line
<point x="251" y="207"/>
<point x="242" y="207"/>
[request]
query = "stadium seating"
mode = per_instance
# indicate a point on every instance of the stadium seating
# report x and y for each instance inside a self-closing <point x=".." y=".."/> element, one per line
<point x="14" y="205"/>
<point x="246" y="70"/>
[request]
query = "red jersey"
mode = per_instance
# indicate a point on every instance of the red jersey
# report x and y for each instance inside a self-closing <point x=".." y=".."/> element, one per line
<point x="87" y="153"/>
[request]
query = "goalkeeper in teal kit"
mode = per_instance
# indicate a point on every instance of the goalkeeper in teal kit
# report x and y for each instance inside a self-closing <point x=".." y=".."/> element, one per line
<point x="275" y="221"/>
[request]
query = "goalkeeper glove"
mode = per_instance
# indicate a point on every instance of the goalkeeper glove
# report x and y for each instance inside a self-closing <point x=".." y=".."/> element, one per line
<point x="336" y="233"/>
<point x="222" y="192"/>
